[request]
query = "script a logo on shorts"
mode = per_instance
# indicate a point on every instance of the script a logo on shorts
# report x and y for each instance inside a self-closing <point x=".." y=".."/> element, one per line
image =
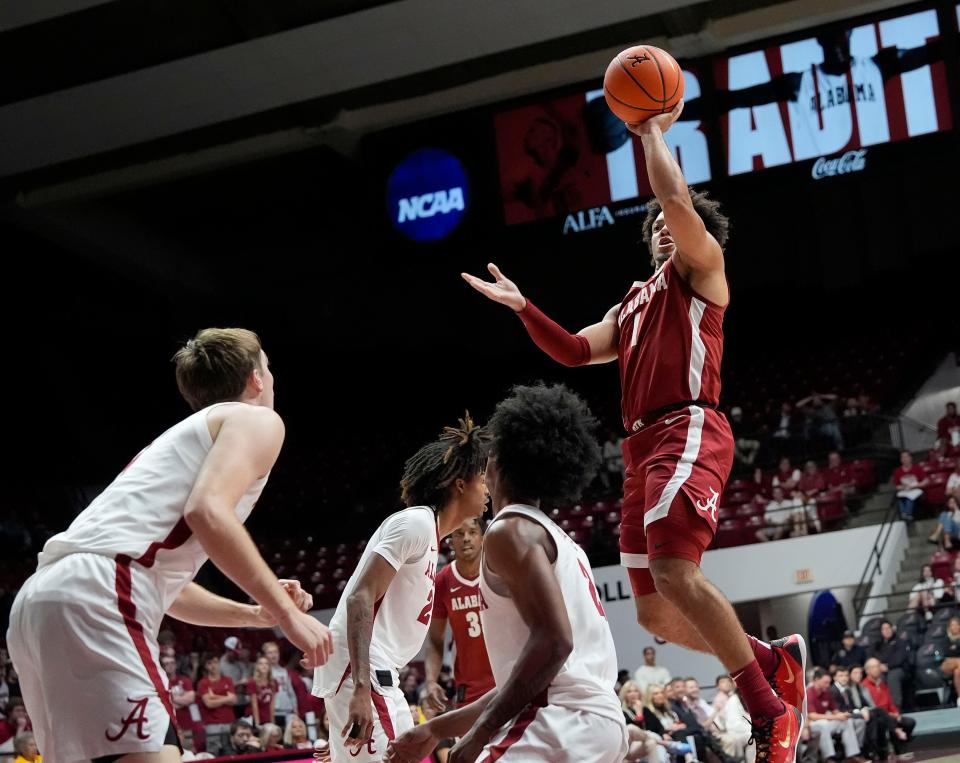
<point x="710" y="506"/>
<point x="137" y="717"/>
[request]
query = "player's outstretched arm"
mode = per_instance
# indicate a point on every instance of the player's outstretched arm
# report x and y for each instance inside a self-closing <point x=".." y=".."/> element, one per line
<point x="372" y="584"/>
<point x="436" y="699"/>
<point x="696" y="248"/>
<point x="245" y="448"/>
<point x="596" y="343"/>
<point x="198" y="606"/>
<point x="520" y="553"/>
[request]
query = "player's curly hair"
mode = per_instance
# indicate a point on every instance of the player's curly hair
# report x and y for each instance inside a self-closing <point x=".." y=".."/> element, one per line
<point x="459" y="453"/>
<point x="716" y="223"/>
<point x="544" y="441"/>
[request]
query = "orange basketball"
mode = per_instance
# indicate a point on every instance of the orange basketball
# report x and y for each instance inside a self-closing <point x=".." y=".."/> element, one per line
<point x="641" y="82"/>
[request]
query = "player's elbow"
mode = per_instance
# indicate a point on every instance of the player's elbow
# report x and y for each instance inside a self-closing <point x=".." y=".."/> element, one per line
<point x="558" y="644"/>
<point x="202" y="517"/>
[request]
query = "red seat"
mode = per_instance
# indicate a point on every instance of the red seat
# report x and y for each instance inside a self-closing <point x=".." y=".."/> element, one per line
<point x="942" y="564"/>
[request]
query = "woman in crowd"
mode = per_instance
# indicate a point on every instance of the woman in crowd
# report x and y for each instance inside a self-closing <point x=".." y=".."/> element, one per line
<point x="271" y="737"/>
<point x="644" y="745"/>
<point x="662" y="721"/>
<point x="925" y="594"/>
<point x="948" y="525"/>
<point x="295" y="737"/>
<point x="262" y="690"/>
<point x="951" y="662"/>
<point x="25" y="746"/>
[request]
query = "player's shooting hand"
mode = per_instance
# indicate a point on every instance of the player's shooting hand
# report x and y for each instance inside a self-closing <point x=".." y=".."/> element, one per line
<point x="359" y="726"/>
<point x="412" y="746"/>
<point x="661" y="122"/>
<point x="502" y="290"/>
<point x="308" y="635"/>
<point x="469" y="747"/>
<point x="436" y="697"/>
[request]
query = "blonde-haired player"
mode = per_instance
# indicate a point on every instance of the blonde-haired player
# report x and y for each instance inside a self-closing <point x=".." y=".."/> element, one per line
<point x="83" y="629"/>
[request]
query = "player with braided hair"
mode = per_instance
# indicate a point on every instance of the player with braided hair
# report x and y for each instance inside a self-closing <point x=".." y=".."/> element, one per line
<point x="385" y="610"/>
<point x="547" y="636"/>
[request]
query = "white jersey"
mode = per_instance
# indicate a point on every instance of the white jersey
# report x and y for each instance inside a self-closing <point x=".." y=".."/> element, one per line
<point x="408" y="541"/>
<point x="586" y="680"/>
<point x="139" y="519"/>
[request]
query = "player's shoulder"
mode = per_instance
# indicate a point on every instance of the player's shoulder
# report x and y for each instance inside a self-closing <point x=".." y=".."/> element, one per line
<point x="257" y="421"/>
<point x="414" y="519"/>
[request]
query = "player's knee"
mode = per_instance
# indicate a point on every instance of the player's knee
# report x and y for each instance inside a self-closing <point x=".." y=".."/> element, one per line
<point x="674" y="578"/>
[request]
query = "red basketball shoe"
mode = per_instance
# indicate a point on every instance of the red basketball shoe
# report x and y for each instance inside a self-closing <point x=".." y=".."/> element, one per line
<point x="777" y="740"/>
<point x="790" y="678"/>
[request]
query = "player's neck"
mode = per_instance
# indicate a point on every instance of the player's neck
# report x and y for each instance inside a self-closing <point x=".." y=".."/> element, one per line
<point x="466" y="569"/>
<point x="501" y="502"/>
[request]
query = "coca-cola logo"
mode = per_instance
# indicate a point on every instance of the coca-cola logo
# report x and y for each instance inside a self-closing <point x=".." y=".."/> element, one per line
<point x="850" y="161"/>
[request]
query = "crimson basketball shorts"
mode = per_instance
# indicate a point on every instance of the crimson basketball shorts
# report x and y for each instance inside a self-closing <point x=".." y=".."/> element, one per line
<point x="676" y="469"/>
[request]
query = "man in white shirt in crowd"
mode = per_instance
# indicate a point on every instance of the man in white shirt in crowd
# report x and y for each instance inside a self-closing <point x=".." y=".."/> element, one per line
<point x="650" y="673"/>
<point x="778" y="516"/>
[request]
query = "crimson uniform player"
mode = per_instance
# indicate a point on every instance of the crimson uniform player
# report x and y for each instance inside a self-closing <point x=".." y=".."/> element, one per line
<point x="458" y="601"/>
<point x="386" y="607"/>
<point x="667" y="335"/>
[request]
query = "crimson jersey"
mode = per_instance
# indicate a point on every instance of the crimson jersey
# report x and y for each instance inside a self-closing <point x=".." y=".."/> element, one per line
<point x="458" y="600"/>
<point x="671" y="343"/>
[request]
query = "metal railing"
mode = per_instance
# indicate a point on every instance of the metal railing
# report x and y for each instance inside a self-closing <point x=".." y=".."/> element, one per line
<point x="873" y="566"/>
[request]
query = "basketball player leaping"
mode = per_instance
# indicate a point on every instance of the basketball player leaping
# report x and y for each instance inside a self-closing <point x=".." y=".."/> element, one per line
<point x="386" y="606"/>
<point x="667" y="335"/>
<point x="547" y="636"/>
<point x="83" y="629"/>
<point x="458" y="602"/>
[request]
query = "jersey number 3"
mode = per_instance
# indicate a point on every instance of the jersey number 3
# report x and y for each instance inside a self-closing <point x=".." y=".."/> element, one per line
<point x="473" y="623"/>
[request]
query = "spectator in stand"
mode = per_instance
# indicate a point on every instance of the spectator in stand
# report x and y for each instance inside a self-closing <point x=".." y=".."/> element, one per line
<point x="891" y="655"/>
<point x="659" y="718"/>
<point x="700" y="707"/>
<point x="853" y="698"/>
<point x="181" y="694"/>
<point x="948" y="525"/>
<point x="731" y="718"/>
<point x="786" y="476"/>
<point x="322" y="743"/>
<point x="745" y="443"/>
<point x="241" y="740"/>
<point x="650" y="673"/>
<point x="826" y="718"/>
<point x="409" y="685"/>
<point x="784" y="429"/>
<point x="271" y="737"/>
<point x="821" y="418"/>
<point x="953" y="482"/>
<point x="883" y="698"/>
<point x="843" y="701"/>
<point x="236" y="670"/>
<point x="644" y="745"/>
<point x="612" y="473"/>
<point x="948" y="428"/>
<point x="262" y="690"/>
<point x="16" y="723"/>
<point x="837" y="476"/>
<point x="25" y="746"/>
<point x="812" y="481"/>
<point x="956" y="570"/>
<point x="951" y="655"/>
<point x="909" y="479"/>
<point x="925" y="594"/>
<point x="778" y="516"/>
<point x="850" y="652"/>
<point x="295" y="737"/>
<point x="217" y="698"/>
<point x="285" y="702"/>
<point x="695" y="730"/>
<point x="853" y="408"/>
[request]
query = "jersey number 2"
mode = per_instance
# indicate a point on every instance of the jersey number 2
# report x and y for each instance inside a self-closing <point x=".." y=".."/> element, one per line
<point x="593" y="589"/>
<point x="427" y="611"/>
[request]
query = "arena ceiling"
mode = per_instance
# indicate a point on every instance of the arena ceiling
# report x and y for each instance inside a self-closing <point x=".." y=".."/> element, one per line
<point x="106" y="96"/>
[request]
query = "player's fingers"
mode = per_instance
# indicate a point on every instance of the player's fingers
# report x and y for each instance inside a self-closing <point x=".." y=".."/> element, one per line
<point x="475" y="282"/>
<point x="495" y="272"/>
<point x="349" y="725"/>
<point x="307" y="602"/>
<point x="677" y="109"/>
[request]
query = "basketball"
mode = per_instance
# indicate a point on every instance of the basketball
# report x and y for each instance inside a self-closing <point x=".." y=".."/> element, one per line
<point x="641" y="82"/>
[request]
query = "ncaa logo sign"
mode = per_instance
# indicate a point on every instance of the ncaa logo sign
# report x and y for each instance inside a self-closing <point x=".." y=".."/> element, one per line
<point x="427" y="194"/>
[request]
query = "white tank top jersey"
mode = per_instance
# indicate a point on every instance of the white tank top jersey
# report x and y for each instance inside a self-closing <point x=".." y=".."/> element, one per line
<point x="140" y="515"/>
<point x="409" y="541"/>
<point x="587" y="678"/>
